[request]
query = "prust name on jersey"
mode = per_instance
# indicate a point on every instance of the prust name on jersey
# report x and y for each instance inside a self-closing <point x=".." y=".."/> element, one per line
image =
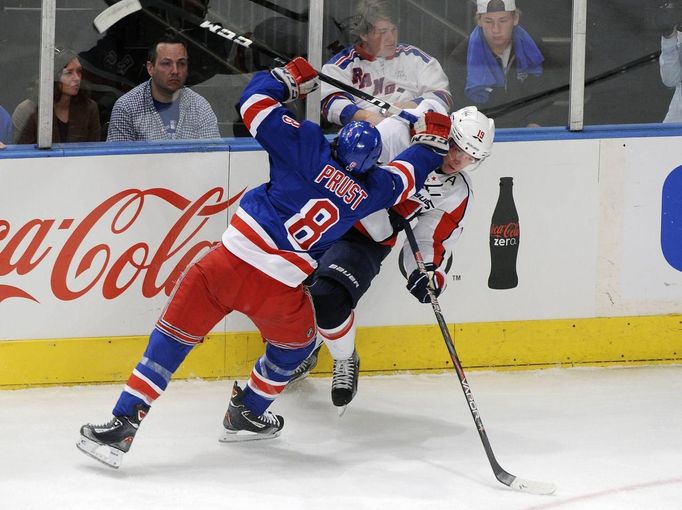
<point x="342" y="185"/>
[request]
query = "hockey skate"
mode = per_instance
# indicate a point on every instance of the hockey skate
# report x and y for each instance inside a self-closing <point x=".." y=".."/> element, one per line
<point x="306" y="367"/>
<point x="345" y="381"/>
<point x="108" y="442"/>
<point x="240" y="424"/>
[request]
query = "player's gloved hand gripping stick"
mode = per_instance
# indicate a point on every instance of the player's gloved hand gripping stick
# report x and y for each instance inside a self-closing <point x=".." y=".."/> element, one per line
<point x="503" y="476"/>
<point x="111" y="15"/>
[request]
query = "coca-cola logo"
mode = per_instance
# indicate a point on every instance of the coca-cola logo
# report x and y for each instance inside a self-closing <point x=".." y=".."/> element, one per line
<point x="506" y="230"/>
<point x="84" y="260"/>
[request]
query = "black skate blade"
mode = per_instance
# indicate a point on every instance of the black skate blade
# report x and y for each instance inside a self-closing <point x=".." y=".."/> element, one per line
<point x="228" y="436"/>
<point x="103" y="453"/>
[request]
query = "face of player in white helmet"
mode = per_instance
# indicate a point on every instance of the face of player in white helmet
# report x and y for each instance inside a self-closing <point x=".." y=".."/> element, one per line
<point x="456" y="160"/>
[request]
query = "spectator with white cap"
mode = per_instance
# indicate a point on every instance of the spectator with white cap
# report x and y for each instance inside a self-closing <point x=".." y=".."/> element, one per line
<point x="499" y="62"/>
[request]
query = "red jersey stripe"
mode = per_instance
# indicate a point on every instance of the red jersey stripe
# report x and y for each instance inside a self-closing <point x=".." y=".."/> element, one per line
<point x="256" y="108"/>
<point x="253" y="236"/>
<point x="409" y="177"/>
<point x="446" y="226"/>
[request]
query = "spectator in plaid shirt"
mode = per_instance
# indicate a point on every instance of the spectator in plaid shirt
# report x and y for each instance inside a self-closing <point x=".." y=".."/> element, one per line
<point x="162" y="108"/>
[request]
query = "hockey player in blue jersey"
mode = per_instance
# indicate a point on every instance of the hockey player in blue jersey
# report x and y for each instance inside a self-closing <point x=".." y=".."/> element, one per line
<point x="316" y="192"/>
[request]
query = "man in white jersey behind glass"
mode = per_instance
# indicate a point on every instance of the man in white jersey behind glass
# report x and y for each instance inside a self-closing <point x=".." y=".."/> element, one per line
<point x="398" y="73"/>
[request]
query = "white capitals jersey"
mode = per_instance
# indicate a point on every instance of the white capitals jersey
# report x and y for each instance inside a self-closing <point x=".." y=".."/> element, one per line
<point x="441" y="205"/>
<point x="410" y="75"/>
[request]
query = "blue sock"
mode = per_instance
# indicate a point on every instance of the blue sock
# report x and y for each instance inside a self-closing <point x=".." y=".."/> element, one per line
<point x="152" y="374"/>
<point x="271" y="374"/>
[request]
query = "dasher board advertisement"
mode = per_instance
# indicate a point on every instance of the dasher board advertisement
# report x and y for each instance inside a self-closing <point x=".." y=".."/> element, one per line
<point x="649" y="237"/>
<point x="91" y="246"/>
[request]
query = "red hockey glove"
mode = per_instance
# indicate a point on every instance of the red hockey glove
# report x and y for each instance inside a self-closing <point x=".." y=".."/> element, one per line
<point x="418" y="281"/>
<point x="299" y="77"/>
<point x="432" y="129"/>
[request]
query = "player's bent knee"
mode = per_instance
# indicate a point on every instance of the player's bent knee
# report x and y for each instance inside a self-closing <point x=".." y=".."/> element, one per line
<point x="287" y="359"/>
<point x="332" y="301"/>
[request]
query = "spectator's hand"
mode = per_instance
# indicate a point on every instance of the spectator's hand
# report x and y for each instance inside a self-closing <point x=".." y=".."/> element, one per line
<point x="406" y="105"/>
<point x="299" y="77"/>
<point x="2" y="145"/>
<point x="373" y="118"/>
<point x="432" y="129"/>
<point x="417" y="282"/>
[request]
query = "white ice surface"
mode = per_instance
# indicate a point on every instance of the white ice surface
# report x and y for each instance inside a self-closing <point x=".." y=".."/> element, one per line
<point x="609" y="439"/>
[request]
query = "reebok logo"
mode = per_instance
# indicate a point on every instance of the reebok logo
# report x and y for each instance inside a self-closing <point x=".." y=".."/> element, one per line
<point x="245" y="414"/>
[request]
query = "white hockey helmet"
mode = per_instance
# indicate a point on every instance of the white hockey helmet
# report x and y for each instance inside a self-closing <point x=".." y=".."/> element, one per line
<point x="472" y="132"/>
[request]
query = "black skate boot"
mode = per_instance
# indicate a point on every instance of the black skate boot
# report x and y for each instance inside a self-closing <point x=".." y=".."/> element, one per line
<point x="107" y="443"/>
<point x="345" y="381"/>
<point x="306" y="367"/>
<point x="240" y="424"/>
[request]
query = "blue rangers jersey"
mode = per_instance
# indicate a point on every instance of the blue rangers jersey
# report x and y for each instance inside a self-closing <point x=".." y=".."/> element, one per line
<point x="283" y="227"/>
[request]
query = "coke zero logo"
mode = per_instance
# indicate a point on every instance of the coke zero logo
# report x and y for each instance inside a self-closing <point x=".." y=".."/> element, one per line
<point x="85" y="260"/>
<point x="505" y="230"/>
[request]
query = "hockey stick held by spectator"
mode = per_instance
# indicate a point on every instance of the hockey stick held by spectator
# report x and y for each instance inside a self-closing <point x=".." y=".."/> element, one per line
<point x="113" y="14"/>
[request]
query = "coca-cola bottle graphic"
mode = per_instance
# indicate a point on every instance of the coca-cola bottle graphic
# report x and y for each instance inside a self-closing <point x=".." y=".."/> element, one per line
<point x="504" y="239"/>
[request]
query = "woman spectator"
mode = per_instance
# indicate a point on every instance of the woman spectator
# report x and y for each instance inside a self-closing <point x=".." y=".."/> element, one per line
<point x="75" y="115"/>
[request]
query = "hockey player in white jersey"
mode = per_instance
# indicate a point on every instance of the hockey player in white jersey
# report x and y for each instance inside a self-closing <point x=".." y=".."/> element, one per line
<point x="398" y="73"/>
<point x="346" y="270"/>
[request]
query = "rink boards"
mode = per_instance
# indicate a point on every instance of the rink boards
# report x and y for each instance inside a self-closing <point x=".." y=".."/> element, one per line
<point x="93" y="237"/>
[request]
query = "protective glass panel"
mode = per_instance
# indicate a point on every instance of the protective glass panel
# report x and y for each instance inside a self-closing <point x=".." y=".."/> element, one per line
<point x="511" y="60"/>
<point x="115" y="62"/>
<point x="627" y="84"/>
<point x="19" y="63"/>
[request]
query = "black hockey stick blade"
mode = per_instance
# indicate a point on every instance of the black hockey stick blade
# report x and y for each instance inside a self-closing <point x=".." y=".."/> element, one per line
<point x="297" y="16"/>
<point x="519" y="484"/>
<point x="115" y="13"/>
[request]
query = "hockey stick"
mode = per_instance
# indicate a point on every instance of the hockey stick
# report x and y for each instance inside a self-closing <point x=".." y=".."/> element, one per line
<point x="520" y="484"/>
<point x="297" y="16"/>
<point x="514" y="105"/>
<point x="113" y="14"/>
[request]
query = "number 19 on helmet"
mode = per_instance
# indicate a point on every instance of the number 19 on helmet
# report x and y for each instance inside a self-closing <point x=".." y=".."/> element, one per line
<point x="473" y="133"/>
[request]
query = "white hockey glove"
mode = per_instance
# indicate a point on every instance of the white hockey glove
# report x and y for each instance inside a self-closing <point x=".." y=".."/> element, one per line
<point x="417" y="282"/>
<point x="299" y="77"/>
<point x="432" y="129"/>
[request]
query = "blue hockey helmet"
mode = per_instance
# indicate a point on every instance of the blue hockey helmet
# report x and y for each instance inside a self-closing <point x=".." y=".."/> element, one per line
<point x="358" y="146"/>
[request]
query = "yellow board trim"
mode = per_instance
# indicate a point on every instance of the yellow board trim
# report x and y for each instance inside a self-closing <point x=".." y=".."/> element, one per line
<point x="388" y="349"/>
